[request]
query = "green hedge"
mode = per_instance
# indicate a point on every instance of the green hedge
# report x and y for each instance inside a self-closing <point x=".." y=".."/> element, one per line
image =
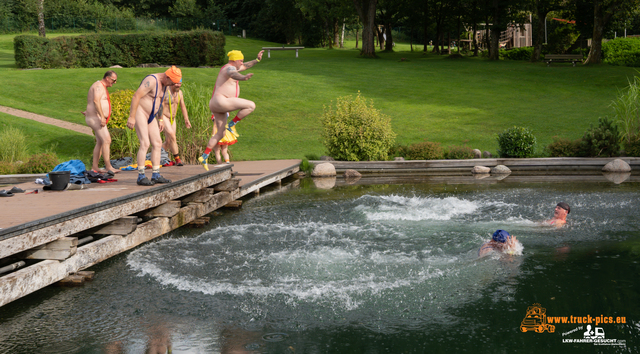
<point x="622" y="52"/>
<point x="194" y="48"/>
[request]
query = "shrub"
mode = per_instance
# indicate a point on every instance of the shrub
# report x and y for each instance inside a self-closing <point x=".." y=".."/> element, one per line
<point x="193" y="48"/>
<point x="356" y="131"/>
<point x="191" y="142"/>
<point x="120" y="106"/>
<point x="124" y="142"/>
<point x="7" y="168"/>
<point x="563" y="147"/>
<point x="622" y="51"/>
<point x="632" y="148"/>
<point x="516" y="142"/>
<point x="426" y="150"/>
<point x="13" y="145"/>
<point x="627" y="112"/>
<point x="603" y="140"/>
<point x="398" y="151"/>
<point x="460" y="153"/>
<point x="306" y="166"/>
<point x="523" y="53"/>
<point x="39" y="163"/>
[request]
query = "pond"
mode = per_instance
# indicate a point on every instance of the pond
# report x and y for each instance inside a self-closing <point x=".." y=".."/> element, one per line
<point x="363" y="269"/>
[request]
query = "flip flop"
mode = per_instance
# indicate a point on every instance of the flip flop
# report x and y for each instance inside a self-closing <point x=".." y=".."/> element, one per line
<point x="15" y="190"/>
<point x="4" y="193"/>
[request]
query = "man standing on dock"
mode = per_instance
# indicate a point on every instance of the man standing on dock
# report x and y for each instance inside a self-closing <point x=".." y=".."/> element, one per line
<point x="97" y="116"/>
<point x="225" y="98"/>
<point x="146" y="105"/>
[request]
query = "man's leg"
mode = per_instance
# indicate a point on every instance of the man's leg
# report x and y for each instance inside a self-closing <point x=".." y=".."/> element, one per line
<point x="216" y="150"/>
<point x="170" y="142"/>
<point x="225" y="153"/>
<point x="220" y="121"/>
<point x="105" y="139"/>
<point x="142" y="129"/>
<point x="156" y="147"/>
<point x="94" y="123"/>
<point x="245" y="106"/>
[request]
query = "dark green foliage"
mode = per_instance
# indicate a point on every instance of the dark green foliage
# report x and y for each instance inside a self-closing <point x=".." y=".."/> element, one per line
<point x="306" y="166"/>
<point x="523" y="53"/>
<point x="194" y="48"/>
<point x="632" y="148"/>
<point x="516" y="142"/>
<point x="603" y="140"/>
<point x="39" y="163"/>
<point x="426" y="150"/>
<point x="563" y="147"/>
<point x="622" y="51"/>
<point x="459" y="153"/>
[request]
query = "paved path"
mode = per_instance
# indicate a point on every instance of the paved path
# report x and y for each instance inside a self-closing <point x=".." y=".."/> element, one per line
<point x="46" y="120"/>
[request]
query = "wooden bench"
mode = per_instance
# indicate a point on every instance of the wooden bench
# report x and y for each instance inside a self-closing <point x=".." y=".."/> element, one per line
<point x="269" y="49"/>
<point x="563" y="58"/>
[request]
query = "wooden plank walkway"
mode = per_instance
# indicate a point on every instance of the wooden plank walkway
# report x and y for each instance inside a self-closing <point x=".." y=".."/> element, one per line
<point x="44" y="221"/>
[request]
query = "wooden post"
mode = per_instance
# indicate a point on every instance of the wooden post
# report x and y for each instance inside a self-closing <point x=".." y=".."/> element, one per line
<point x="122" y="226"/>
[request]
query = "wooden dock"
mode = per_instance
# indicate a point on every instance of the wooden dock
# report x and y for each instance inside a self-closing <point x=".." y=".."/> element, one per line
<point x="52" y="235"/>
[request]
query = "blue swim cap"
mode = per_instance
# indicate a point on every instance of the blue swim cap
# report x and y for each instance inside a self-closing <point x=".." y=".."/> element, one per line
<point x="500" y="236"/>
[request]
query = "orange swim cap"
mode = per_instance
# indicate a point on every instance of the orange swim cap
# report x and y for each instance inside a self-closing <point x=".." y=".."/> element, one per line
<point x="174" y="73"/>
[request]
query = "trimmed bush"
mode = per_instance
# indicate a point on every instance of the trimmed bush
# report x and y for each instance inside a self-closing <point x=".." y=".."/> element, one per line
<point x="622" y="52"/>
<point x="516" y="142"/>
<point x="563" y="147"/>
<point x="194" y="48"/>
<point x="459" y="153"/>
<point x="356" y="131"/>
<point x="523" y="53"/>
<point x="426" y="150"/>
<point x="39" y="163"/>
<point x="603" y="140"/>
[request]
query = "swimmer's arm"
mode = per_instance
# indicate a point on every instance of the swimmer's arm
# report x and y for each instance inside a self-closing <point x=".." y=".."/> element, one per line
<point x="184" y="111"/>
<point x="234" y="74"/>
<point x="248" y="64"/>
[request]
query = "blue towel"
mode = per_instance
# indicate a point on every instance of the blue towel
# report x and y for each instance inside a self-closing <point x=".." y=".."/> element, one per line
<point x="75" y="167"/>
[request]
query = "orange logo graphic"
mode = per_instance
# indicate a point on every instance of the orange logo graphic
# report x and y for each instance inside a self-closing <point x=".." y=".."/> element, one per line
<point x="536" y="320"/>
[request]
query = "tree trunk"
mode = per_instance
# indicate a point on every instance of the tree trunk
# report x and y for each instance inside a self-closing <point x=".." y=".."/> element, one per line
<point x="41" y="29"/>
<point x="537" y="48"/>
<point x="367" y="12"/>
<point x="380" y="38"/>
<point x="388" y="45"/>
<point x="595" y="53"/>
<point x="494" y="53"/>
<point x="336" y="32"/>
<point x="357" y="34"/>
<point x="475" y="41"/>
<point x="342" y="37"/>
<point x="426" y="26"/>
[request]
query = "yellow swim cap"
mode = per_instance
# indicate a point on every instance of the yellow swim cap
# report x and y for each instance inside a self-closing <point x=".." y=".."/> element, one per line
<point x="235" y="55"/>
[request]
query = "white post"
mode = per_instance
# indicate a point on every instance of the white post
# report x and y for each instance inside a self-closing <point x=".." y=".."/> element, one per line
<point x="269" y="53"/>
<point x="244" y="33"/>
<point x="296" y="52"/>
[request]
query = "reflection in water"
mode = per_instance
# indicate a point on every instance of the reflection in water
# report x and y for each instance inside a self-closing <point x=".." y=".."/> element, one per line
<point x="354" y="269"/>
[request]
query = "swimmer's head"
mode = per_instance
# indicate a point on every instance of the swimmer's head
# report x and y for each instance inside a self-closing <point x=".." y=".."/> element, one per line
<point x="175" y="74"/>
<point x="500" y="236"/>
<point x="564" y="206"/>
<point x="235" y="55"/>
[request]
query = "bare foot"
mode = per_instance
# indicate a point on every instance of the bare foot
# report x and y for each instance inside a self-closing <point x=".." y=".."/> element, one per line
<point x="114" y="171"/>
<point x="100" y="170"/>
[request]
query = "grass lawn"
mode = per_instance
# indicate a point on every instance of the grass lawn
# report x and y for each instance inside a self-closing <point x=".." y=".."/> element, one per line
<point x="428" y="97"/>
<point x="65" y="143"/>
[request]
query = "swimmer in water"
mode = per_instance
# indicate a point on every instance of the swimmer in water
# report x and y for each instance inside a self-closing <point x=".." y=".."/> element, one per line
<point x="501" y="241"/>
<point x="559" y="215"/>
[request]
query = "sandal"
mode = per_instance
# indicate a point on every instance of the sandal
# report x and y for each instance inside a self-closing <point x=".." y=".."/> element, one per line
<point x="204" y="163"/>
<point x="4" y="193"/>
<point x="15" y="190"/>
<point x="145" y="182"/>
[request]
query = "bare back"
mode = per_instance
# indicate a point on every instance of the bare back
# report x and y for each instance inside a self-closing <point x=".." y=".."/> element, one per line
<point x="225" y="85"/>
